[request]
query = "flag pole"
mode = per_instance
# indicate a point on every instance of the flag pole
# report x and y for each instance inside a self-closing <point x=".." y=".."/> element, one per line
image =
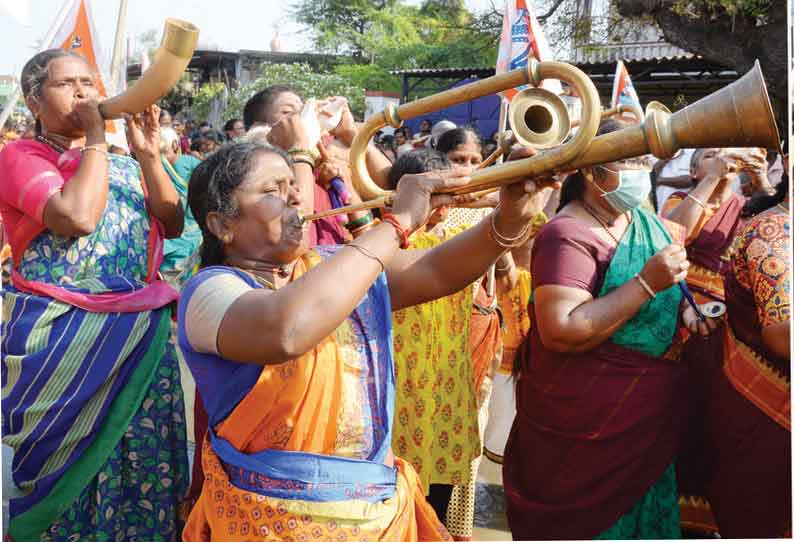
<point x="45" y="44"/>
<point x="121" y="30"/>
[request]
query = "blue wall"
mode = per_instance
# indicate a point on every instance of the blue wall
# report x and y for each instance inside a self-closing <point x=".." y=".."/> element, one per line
<point x="482" y="114"/>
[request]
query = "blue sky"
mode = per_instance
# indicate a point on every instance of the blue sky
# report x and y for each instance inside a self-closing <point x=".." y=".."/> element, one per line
<point x="229" y="24"/>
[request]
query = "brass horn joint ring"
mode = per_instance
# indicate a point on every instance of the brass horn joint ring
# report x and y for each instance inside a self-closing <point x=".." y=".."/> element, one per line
<point x="659" y="135"/>
<point x="533" y="73"/>
<point x="392" y="116"/>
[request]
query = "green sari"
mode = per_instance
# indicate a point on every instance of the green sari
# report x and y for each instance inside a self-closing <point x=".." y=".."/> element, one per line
<point x="650" y="331"/>
<point x="181" y="255"/>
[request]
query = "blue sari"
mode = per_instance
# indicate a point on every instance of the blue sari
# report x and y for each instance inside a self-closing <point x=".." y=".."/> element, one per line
<point x="91" y="397"/>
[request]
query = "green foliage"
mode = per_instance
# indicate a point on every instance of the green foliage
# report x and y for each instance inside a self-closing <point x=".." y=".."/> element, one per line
<point x="708" y="9"/>
<point x="202" y="100"/>
<point x="392" y="34"/>
<point x="369" y="77"/>
<point x="302" y="78"/>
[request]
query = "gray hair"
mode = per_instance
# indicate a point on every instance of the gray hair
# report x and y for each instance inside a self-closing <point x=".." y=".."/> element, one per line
<point x="168" y="137"/>
<point x="36" y="70"/>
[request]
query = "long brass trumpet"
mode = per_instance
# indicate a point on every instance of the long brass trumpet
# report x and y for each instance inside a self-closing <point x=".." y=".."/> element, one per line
<point x="737" y="115"/>
<point x="534" y="74"/>
<point x="619" y="109"/>
<point x="170" y="60"/>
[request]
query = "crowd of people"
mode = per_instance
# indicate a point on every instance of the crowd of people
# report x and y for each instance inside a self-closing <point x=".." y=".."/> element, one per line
<point x="352" y="371"/>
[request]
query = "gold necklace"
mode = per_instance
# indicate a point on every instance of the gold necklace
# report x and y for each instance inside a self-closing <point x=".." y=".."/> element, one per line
<point x="782" y="208"/>
<point x="603" y="223"/>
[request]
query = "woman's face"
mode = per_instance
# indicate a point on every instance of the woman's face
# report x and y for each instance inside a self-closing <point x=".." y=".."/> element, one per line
<point x="69" y="79"/>
<point x="285" y="104"/>
<point x="399" y="138"/>
<point x="468" y="154"/>
<point x="267" y="227"/>
<point x="606" y="178"/>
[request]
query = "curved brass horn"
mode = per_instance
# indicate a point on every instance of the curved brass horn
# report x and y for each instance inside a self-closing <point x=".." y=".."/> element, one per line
<point x="170" y="60"/>
<point x="619" y="110"/>
<point x="533" y="75"/>
<point x="653" y="105"/>
<point x="737" y="115"/>
<point x="539" y="118"/>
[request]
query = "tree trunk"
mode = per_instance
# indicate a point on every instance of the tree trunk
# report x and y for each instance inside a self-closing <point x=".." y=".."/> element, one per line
<point x="733" y="42"/>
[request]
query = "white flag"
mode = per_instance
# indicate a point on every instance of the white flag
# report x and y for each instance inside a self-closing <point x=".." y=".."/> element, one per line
<point x="522" y="39"/>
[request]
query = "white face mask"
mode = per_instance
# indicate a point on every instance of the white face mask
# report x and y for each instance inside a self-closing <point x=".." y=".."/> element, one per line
<point x="634" y="186"/>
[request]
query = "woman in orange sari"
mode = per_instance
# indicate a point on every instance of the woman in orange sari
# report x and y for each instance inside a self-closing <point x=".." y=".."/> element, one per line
<point x="291" y="350"/>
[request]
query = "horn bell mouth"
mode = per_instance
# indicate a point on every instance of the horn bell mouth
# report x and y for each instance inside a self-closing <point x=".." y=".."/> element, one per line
<point x="539" y="118"/>
<point x="180" y="38"/>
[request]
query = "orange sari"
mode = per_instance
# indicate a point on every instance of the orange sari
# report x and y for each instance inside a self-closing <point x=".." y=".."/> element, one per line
<point x="305" y="454"/>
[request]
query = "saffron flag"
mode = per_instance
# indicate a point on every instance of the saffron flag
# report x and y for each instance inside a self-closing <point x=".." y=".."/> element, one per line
<point x="76" y="32"/>
<point x="522" y="39"/>
<point x="623" y="90"/>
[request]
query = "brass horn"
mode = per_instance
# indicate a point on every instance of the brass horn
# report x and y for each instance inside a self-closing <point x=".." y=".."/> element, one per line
<point x="534" y="73"/>
<point x="737" y="115"/>
<point x="170" y="60"/>
<point x="653" y="105"/>
<point x="619" y="110"/>
<point x="539" y="118"/>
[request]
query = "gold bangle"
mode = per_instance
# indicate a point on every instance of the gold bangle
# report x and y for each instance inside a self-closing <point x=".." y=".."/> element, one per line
<point x="504" y="241"/>
<point x="645" y="285"/>
<point x="308" y="152"/>
<point x="303" y="157"/>
<point x="100" y="150"/>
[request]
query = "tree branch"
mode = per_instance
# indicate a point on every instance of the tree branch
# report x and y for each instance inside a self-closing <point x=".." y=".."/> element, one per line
<point x="550" y="12"/>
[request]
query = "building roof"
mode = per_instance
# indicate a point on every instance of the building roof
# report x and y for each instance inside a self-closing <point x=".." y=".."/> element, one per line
<point x="485" y="71"/>
<point x="628" y="52"/>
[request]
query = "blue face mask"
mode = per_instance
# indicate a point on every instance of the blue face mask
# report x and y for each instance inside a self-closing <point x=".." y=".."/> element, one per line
<point x="634" y="185"/>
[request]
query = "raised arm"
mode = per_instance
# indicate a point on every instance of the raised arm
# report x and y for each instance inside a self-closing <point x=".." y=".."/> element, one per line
<point x="76" y="210"/>
<point x="271" y="327"/>
<point x="143" y="136"/>
<point x="713" y="171"/>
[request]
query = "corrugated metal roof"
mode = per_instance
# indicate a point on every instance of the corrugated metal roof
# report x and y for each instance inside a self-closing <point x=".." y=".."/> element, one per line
<point x="445" y="71"/>
<point x="628" y="52"/>
<point x="583" y="56"/>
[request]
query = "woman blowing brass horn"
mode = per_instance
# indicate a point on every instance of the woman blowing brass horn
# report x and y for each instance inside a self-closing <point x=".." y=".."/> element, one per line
<point x="291" y="350"/>
<point x="92" y="402"/>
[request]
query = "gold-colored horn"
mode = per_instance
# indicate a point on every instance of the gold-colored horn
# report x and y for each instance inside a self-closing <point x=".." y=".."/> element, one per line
<point x="618" y="110"/>
<point x="534" y="73"/>
<point x="653" y="105"/>
<point x="539" y="118"/>
<point x="170" y="60"/>
<point x="737" y="115"/>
